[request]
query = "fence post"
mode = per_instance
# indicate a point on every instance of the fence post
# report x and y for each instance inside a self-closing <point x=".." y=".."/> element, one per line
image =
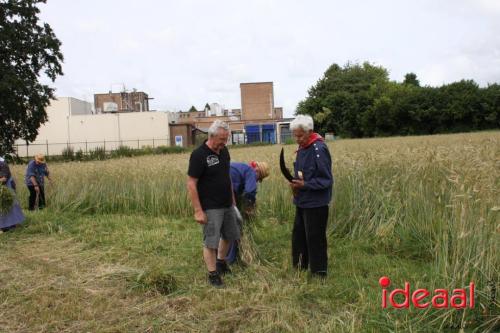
<point x="27" y="149"/>
<point x="105" y="146"/>
<point x="86" y="147"/>
<point x="47" y="145"/>
<point x="137" y="143"/>
<point x="153" y="142"/>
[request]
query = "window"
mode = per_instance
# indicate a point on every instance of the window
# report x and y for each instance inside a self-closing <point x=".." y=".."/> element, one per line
<point x="238" y="138"/>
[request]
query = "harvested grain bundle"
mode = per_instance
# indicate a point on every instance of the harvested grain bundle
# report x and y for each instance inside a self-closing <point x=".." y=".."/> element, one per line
<point x="6" y="199"/>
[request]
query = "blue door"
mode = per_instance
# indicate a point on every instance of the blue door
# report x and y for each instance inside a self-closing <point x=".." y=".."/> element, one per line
<point x="269" y="133"/>
<point x="253" y="133"/>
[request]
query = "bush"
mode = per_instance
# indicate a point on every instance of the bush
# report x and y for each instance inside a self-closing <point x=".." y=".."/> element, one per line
<point x="147" y="150"/>
<point x="79" y="155"/>
<point x="68" y="154"/>
<point x="123" y="151"/>
<point x="169" y="150"/>
<point x="97" y="154"/>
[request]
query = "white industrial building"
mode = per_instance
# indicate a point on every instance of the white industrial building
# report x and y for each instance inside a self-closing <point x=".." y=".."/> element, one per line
<point x="72" y="123"/>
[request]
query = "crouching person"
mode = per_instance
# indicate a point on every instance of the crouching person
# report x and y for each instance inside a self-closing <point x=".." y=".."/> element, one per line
<point x="245" y="178"/>
<point x="209" y="189"/>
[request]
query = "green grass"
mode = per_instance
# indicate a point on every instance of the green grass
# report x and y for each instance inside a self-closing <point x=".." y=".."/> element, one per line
<point x="84" y="273"/>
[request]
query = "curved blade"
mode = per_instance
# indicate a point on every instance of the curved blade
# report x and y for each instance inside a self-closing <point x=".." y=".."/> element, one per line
<point x="284" y="169"/>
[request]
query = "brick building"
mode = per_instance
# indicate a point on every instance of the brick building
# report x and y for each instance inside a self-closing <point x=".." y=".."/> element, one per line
<point x="135" y="101"/>
<point x="257" y="102"/>
<point x="258" y="120"/>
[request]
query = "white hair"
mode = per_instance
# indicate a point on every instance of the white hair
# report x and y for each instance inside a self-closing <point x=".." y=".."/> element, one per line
<point x="216" y="125"/>
<point x="302" y="121"/>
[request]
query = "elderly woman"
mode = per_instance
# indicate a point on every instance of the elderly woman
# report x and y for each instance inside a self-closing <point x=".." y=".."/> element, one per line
<point x="312" y="189"/>
<point x="14" y="216"/>
<point x="244" y="178"/>
<point x="35" y="175"/>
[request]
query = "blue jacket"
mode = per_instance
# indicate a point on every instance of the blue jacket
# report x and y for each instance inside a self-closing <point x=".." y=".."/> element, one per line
<point x="315" y="163"/>
<point x="5" y="172"/>
<point x="244" y="179"/>
<point x="37" y="170"/>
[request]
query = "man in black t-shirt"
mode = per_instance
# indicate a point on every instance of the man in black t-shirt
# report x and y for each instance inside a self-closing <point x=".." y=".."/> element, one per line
<point x="210" y="191"/>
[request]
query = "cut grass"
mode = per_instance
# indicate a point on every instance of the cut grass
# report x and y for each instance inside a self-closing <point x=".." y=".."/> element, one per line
<point x="71" y="273"/>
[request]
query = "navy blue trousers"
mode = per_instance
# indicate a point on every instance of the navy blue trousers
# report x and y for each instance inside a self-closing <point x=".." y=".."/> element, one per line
<point x="309" y="245"/>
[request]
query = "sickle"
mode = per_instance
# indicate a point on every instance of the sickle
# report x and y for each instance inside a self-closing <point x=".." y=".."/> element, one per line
<point x="284" y="169"/>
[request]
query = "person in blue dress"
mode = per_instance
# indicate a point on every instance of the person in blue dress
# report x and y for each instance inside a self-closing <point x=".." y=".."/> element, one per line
<point x="15" y="215"/>
<point x="244" y="178"/>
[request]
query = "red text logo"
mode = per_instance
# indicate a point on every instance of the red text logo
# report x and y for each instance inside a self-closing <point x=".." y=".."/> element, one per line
<point x="423" y="298"/>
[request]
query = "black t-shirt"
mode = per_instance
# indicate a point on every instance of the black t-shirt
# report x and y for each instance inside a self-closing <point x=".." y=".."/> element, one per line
<point x="212" y="172"/>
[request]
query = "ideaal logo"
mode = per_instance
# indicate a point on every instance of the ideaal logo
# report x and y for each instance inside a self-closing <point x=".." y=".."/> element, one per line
<point x="438" y="299"/>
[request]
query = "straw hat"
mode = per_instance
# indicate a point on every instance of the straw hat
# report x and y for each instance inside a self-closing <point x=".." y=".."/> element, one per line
<point x="262" y="168"/>
<point x="40" y="158"/>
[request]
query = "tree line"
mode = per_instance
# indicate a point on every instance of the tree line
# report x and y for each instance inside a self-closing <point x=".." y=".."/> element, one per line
<point x="359" y="100"/>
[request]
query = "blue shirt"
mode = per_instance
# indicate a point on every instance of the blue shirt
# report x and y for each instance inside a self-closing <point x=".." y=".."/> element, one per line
<point x="244" y="179"/>
<point x="37" y="170"/>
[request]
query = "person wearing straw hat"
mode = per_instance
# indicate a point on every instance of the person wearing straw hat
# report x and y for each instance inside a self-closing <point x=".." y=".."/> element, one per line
<point x="36" y="172"/>
<point x="244" y="178"/>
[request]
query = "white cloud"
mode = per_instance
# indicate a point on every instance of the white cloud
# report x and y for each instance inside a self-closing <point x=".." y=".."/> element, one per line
<point x="191" y="52"/>
<point x="489" y="5"/>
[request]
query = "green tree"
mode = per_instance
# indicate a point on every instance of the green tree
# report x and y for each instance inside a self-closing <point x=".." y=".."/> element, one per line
<point x="460" y="106"/>
<point x="29" y="51"/>
<point x="490" y="107"/>
<point x="192" y="109"/>
<point x="348" y="92"/>
<point x="359" y="100"/>
<point x="411" y="79"/>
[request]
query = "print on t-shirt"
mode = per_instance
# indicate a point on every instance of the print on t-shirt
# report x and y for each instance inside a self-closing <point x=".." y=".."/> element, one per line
<point x="212" y="160"/>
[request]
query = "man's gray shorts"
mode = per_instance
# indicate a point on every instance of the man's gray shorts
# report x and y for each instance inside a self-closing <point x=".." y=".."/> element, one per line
<point x="221" y="224"/>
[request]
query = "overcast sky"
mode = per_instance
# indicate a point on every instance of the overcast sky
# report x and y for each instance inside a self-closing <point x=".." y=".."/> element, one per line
<point x="188" y="52"/>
